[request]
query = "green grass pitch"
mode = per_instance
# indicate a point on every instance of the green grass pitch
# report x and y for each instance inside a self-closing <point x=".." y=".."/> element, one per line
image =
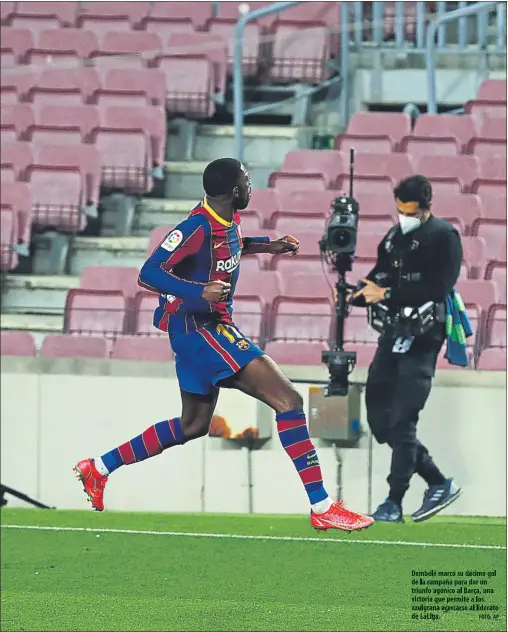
<point x="103" y="576"/>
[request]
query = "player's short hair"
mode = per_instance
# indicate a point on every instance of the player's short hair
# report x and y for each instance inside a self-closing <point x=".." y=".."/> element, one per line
<point x="220" y="176"/>
<point x="415" y="189"/>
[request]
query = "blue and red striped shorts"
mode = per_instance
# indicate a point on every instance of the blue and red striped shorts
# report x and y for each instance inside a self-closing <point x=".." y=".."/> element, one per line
<point x="210" y="354"/>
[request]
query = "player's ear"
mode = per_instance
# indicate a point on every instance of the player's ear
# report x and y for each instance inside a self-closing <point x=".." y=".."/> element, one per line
<point x="236" y="192"/>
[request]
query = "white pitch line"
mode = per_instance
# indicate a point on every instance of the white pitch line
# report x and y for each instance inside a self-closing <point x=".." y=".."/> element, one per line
<point x="276" y="538"/>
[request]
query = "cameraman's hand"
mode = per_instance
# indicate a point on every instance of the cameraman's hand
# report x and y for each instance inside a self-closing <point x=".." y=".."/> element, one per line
<point x="216" y="291"/>
<point x="372" y="293"/>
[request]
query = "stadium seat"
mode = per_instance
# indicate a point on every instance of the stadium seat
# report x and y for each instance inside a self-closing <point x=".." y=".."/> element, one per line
<point x="295" y="225"/>
<point x="474" y="255"/>
<point x="129" y="43"/>
<point x="157" y="236"/>
<point x="69" y="346"/>
<point x="17" y="197"/>
<point x="375" y="205"/>
<point x="493" y="233"/>
<point x="492" y="359"/>
<point x="190" y="85"/>
<point x="17" y="154"/>
<point x="251" y="222"/>
<point x="303" y="284"/>
<point x="367" y="246"/>
<point x="249" y="317"/>
<point x="83" y="117"/>
<point x="144" y="306"/>
<point x="478" y="109"/>
<point x="102" y="17"/>
<point x="379" y="185"/>
<point x="463" y="210"/>
<point x="296" y="182"/>
<point x="295" y="353"/>
<point x="193" y="15"/>
<point x="496" y="326"/>
<point x="417" y="146"/>
<point x="8" y="238"/>
<point x="493" y="128"/>
<point x="299" y="53"/>
<point x="496" y="272"/>
<point x="482" y="294"/>
<point x="253" y="282"/>
<point x="493" y="90"/>
<point x="58" y="197"/>
<point x="14" y="42"/>
<point x="59" y="87"/>
<point x="41" y="15"/>
<point x="121" y="84"/>
<point x="16" y="81"/>
<point x="321" y="162"/>
<point x="485" y="148"/>
<point x="306" y="319"/>
<point x="17" y="343"/>
<point x="250" y="48"/>
<point x="376" y="126"/>
<point x="449" y="173"/>
<point x="357" y="329"/>
<point x="443" y="126"/>
<point x="111" y="278"/>
<point x="20" y="116"/>
<point x="142" y="348"/>
<point x="62" y="47"/>
<point x="95" y="313"/>
<point x="6" y="11"/>
<point x="264" y="204"/>
<point x="367" y="164"/>
<point x="84" y="157"/>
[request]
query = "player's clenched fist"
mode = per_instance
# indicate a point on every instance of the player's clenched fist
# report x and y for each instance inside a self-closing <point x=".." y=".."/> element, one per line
<point x="216" y="291"/>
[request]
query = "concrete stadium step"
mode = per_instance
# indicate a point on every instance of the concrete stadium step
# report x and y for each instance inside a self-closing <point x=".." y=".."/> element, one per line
<point x="36" y="293"/>
<point x="38" y="324"/>
<point x="184" y="180"/>
<point x="151" y="213"/>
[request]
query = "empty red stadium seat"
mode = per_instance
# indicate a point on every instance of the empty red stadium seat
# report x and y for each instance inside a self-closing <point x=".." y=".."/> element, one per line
<point x="68" y="346"/>
<point x="496" y="272"/>
<point x="356" y="328"/>
<point x="190" y="85"/>
<point x="102" y="17"/>
<point x="327" y="163"/>
<point x="111" y="278"/>
<point x="365" y="144"/>
<point x="449" y="172"/>
<point x="95" y="313"/>
<point x="8" y="238"/>
<point x="157" y="236"/>
<point x="64" y="12"/>
<point x="480" y="108"/>
<point x="249" y="317"/>
<point x="476" y="292"/>
<point x="250" y="48"/>
<point x="464" y="209"/>
<point x="253" y="282"/>
<point x="6" y="11"/>
<point x="264" y="203"/>
<point x="485" y="148"/>
<point x="20" y="116"/>
<point x="377" y="125"/>
<point x="367" y="246"/>
<point x="142" y="348"/>
<point x="18" y="154"/>
<point x="379" y="185"/>
<point x="493" y="233"/>
<point x="299" y="53"/>
<point x="62" y="45"/>
<point x="295" y="353"/>
<point x="296" y="182"/>
<point x="474" y="255"/>
<point x="303" y="207"/>
<point x="195" y="14"/>
<point x="493" y="90"/>
<point x="146" y="45"/>
<point x="145" y="304"/>
<point x="17" y="343"/>
<point x="301" y="319"/>
<point x="290" y="225"/>
<point x="493" y="127"/>
<point x="395" y="166"/>
<point x="251" y="222"/>
<point x="417" y="146"/>
<point x="17" y="80"/>
<point x="55" y="85"/>
<point x="58" y="197"/>
<point x="303" y="284"/>
<point x="461" y="128"/>
<point x="83" y="117"/>
<point x="493" y="168"/>
<point x="16" y="196"/>
<point x="149" y="82"/>
<point x="492" y="359"/>
<point x="16" y="42"/>
<point x="375" y="205"/>
<point x="86" y="158"/>
<point x="496" y="326"/>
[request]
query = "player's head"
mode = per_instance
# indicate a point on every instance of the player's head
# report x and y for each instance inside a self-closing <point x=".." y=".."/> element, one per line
<point x="413" y="195"/>
<point x="227" y="180"/>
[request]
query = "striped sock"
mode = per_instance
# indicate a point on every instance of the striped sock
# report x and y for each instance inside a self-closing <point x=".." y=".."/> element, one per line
<point x="294" y="436"/>
<point x="152" y="441"/>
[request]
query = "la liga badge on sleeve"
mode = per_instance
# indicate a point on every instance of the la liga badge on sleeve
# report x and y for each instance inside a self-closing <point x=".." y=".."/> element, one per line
<point x="173" y="240"/>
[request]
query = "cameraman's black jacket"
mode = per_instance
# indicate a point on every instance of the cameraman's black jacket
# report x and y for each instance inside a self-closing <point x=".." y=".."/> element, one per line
<point x="418" y="267"/>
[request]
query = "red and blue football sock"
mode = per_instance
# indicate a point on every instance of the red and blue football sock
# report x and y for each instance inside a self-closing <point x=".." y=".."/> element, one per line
<point x="295" y="439"/>
<point x="159" y="437"/>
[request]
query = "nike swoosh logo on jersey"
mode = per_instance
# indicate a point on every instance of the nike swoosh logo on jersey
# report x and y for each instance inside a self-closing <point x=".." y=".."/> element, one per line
<point x="215" y="246"/>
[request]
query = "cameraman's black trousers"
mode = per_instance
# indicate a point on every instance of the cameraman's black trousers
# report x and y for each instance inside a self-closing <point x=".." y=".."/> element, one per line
<point x="398" y="386"/>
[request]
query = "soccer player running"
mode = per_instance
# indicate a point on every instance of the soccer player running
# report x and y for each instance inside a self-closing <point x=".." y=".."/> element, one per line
<point x="195" y="271"/>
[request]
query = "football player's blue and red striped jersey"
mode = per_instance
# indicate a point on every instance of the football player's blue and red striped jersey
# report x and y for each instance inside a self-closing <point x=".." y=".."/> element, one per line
<point x="202" y="248"/>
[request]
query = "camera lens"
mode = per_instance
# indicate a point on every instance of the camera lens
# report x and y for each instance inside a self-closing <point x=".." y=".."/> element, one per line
<point x="341" y="238"/>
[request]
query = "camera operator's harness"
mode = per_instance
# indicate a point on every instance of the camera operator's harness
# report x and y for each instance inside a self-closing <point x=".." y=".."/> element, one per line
<point x="406" y="323"/>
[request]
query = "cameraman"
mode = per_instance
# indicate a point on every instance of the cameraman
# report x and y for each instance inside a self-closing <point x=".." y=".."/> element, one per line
<point x="418" y="261"/>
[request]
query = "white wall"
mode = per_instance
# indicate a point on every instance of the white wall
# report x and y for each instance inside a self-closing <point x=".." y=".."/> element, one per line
<point x="55" y="412"/>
